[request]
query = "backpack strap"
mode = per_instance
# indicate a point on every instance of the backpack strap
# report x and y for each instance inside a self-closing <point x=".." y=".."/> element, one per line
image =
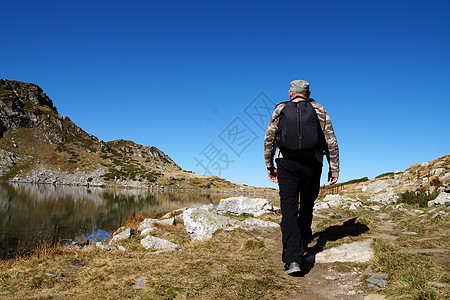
<point x="284" y="102"/>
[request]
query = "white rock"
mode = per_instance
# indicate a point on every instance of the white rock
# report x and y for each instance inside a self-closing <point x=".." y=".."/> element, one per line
<point x="355" y="252"/>
<point x="321" y="205"/>
<point x="355" y="205"/>
<point x="379" y="185"/>
<point x="384" y="198"/>
<point x="252" y="223"/>
<point x="152" y="242"/>
<point x="170" y="221"/>
<point x="147" y="231"/>
<point x="201" y="223"/>
<point x="425" y="164"/>
<point x="334" y="200"/>
<point x="437" y="171"/>
<point x="445" y="177"/>
<point x="207" y="207"/>
<point x="103" y="246"/>
<point x="440" y="199"/>
<point x="147" y="224"/>
<point x="245" y="205"/>
<point x="126" y="234"/>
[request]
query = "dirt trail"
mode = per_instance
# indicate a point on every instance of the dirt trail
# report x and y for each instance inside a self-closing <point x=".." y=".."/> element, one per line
<point x="322" y="281"/>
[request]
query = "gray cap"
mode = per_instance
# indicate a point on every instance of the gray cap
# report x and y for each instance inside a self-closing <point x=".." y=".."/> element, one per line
<point x="299" y="86"/>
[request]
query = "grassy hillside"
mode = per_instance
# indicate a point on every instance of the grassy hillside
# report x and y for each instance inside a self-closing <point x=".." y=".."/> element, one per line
<point x="34" y="136"/>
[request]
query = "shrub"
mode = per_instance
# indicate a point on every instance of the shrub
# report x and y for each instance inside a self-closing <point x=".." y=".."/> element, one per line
<point x="355" y="181"/>
<point x="347" y="182"/>
<point x="419" y="197"/>
<point x="390" y="174"/>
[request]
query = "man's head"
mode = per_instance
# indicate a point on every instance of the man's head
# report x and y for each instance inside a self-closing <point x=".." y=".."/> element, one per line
<point x="299" y="87"/>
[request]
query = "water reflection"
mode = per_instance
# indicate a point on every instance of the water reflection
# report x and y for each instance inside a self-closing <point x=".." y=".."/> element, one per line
<point x="32" y="213"/>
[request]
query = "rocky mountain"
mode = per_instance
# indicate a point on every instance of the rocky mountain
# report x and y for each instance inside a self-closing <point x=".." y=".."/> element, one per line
<point x="38" y="145"/>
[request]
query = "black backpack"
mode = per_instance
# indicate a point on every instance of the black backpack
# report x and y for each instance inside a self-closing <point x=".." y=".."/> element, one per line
<point x="299" y="129"/>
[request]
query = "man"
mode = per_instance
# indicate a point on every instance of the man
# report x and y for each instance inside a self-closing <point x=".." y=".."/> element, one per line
<point x="298" y="173"/>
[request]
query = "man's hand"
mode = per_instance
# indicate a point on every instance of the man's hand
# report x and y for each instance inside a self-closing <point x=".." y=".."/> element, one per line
<point x="272" y="175"/>
<point x="332" y="180"/>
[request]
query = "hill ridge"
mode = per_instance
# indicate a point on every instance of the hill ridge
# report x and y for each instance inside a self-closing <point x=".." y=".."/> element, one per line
<point x="38" y="145"/>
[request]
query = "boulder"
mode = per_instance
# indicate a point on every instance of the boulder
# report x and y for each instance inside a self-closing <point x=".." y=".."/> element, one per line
<point x="377" y="186"/>
<point x="245" y="205"/>
<point x="384" y="198"/>
<point x="201" y="223"/>
<point x="152" y="242"/>
<point x="126" y="234"/>
<point x="147" y="224"/>
<point x="441" y="199"/>
<point x="334" y="200"/>
<point x="337" y="201"/>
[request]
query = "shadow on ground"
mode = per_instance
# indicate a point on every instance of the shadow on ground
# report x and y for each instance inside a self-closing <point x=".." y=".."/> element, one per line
<point x="333" y="233"/>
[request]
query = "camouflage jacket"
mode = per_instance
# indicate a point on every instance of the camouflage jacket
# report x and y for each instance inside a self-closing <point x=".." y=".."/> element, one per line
<point x="327" y="128"/>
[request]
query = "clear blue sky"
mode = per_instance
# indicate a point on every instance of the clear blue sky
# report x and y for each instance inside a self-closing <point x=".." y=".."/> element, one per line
<point x="181" y="75"/>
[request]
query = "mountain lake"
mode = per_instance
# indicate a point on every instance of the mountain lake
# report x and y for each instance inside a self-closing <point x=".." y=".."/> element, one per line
<point x="31" y="215"/>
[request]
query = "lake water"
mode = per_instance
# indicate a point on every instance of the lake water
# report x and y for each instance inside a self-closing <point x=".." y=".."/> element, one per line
<point x="30" y="214"/>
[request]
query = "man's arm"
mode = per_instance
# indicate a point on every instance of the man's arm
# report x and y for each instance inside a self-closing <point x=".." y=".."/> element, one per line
<point x="269" y="147"/>
<point x="332" y="150"/>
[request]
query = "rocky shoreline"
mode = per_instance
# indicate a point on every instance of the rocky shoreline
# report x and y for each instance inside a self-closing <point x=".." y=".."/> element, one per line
<point x="94" y="179"/>
<point x="200" y="223"/>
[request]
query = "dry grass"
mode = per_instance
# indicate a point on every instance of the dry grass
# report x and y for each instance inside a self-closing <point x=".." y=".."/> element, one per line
<point x="231" y="265"/>
<point x="134" y="221"/>
<point x="234" y="264"/>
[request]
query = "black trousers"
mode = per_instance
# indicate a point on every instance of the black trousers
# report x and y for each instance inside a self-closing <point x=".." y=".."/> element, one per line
<point x="299" y="176"/>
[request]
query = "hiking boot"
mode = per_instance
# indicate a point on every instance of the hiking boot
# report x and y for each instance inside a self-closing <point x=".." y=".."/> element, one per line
<point x="292" y="267"/>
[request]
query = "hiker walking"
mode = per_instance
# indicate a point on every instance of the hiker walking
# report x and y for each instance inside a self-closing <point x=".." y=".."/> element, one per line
<point x="299" y="134"/>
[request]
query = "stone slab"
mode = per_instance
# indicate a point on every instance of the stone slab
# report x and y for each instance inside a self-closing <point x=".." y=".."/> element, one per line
<point x="354" y="252"/>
